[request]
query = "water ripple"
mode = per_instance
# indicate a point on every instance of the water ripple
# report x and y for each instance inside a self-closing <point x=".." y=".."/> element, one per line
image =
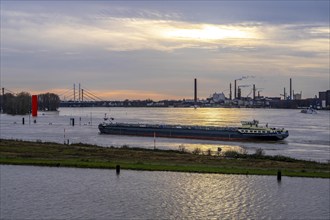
<point x="69" y="193"/>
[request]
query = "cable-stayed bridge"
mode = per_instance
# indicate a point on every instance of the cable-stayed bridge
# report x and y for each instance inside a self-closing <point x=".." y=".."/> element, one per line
<point x="80" y="97"/>
<point x="73" y="97"/>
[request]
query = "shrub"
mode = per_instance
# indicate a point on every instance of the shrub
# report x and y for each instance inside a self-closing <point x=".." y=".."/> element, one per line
<point x="182" y="148"/>
<point x="197" y="150"/>
<point x="231" y="154"/>
<point x="259" y="152"/>
<point x="243" y="151"/>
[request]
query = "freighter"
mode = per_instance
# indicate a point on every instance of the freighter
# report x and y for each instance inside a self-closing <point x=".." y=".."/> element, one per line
<point x="249" y="130"/>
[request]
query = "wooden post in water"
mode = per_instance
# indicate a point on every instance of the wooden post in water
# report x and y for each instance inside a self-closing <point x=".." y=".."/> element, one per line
<point x="72" y="121"/>
<point x="279" y="175"/>
<point x="118" y="169"/>
<point x="154" y="140"/>
<point x="23" y="121"/>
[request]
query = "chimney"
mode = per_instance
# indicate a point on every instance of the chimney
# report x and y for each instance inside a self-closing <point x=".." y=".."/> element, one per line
<point x="290" y="89"/>
<point x="239" y="93"/>
<point x="195" y="91"/>
<point x="230" y="91"/>
<point x="254" y="91"/>
<point x="235" y="90"/>
<point x="293" y="94"/>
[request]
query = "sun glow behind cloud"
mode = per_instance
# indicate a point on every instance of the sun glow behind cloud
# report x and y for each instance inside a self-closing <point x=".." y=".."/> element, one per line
<point x="207" y="32"/>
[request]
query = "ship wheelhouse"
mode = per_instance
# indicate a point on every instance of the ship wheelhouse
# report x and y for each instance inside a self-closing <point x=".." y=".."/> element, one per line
<point x="252" y="128"/>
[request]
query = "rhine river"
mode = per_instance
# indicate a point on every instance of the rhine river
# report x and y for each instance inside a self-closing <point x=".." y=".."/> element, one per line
<point x="309" y="134"/>
<point x="31" y="192"/>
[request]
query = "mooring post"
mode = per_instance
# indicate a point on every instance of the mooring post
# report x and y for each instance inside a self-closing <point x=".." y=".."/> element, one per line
<point x="72" y="121"/>
<point x="154" y="140"/>
<point x="64" y="136"/>
<point x="23" y="121"/>
<point x="118" y="169"/>
<point x="279" y="175"/>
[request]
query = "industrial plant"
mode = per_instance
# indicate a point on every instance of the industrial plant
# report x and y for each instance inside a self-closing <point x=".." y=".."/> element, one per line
<point x="85" y="98"/>
<point x="285" y="100"/>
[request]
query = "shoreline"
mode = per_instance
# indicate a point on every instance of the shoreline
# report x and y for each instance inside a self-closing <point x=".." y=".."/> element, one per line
<point x="14" y="152"/>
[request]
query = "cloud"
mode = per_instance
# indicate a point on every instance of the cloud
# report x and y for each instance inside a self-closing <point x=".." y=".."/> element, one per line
<point x="116" y="43"/>
<point x="62" y="32"/>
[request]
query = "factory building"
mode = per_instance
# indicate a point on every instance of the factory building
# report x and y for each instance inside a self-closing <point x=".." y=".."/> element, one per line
<point x="325" y="99"/>
<point x="297" y="96"/>
<point x="218" y="97"/>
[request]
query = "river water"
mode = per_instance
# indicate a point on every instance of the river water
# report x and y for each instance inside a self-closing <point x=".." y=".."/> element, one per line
<point x="29" y="192"/>
<point x="309" y="134"/>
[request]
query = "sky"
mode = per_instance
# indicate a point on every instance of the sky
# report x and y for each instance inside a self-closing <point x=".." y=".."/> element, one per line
<point x="154" y="49"/>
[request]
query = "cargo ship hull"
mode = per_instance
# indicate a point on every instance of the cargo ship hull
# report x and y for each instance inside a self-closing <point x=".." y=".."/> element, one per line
<point x="189" y="132"/>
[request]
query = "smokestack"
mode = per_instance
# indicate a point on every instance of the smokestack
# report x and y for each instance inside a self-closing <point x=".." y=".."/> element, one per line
<point x="235" y="90"/>
<point x="3" y="93"/>
<point x="230" y="91"/>
<point x="254" y="91"/>
<point x="290" y="89"/>
<point x="239" y="93"/>
<point x="74" y="92"/>
<point x="292" y="94"/>
<point x="284" y="94"/>
<point x="195" y="91"/>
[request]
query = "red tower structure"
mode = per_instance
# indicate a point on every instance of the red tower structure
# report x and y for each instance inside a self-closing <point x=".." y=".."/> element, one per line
<point x="34" y="105"/>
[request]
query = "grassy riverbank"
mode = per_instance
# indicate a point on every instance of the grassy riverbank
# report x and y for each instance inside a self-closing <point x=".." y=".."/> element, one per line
<point x="89" y="156"/>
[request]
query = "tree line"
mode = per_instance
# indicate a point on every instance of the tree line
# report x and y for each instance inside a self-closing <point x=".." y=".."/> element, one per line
<point x="20" y="104"/>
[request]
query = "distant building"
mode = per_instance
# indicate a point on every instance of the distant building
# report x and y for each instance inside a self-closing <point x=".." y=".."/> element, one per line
<point x="325" y="99"/>
<point x="218" y="97"/>
<point x="297" y="96"/>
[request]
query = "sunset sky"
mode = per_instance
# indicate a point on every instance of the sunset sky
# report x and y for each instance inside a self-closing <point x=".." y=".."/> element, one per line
<point x="154" y="49"/>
